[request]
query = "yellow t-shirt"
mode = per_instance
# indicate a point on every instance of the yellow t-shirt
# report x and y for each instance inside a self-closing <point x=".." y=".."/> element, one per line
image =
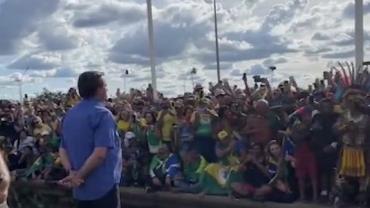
<point x="123" y="125"/>
<point x="168" y="121"/>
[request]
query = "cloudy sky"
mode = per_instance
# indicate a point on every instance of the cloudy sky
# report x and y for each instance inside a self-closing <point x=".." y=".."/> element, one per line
<point x="57" y="39"/>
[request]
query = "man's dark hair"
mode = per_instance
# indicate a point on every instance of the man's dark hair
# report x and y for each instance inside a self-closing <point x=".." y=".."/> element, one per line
<point x="88" y="83"/>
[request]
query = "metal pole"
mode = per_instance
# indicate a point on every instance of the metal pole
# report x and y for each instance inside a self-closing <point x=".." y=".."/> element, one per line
<point x="124" y="83"/>
<point x="272" y="78"/>
<point x="359" y="33"/>
<point x="192" y="79"/>
<point x="151" y="48"/>
<point x="21" y="83"/>
<point x="20" y="92"/>
<point x="216" y="37"/>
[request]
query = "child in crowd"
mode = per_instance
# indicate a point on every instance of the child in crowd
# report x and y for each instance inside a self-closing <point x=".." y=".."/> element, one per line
<point x="324" y="143"/>
<point x="23" y="152"/>
<point x="202" y="121"/>
<point x="152" y="133"/>
<point x="124" y="122"/>
<point x="219" y="176"/>
<point x="163" y="170"/>
<point x="193" y="170"/>
<point x="166" y="121"/>
<point x="277" y="167"/>
<point x="305" y="160"/>
<point x="255" y="178"/>
<point x="133" y="172"/>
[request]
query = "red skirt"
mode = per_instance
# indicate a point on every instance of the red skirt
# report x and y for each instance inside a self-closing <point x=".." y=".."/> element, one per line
<point x="306" y="165"/>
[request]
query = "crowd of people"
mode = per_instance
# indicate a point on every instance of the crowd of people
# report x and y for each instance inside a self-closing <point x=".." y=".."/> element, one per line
<point x="258" y="142"/>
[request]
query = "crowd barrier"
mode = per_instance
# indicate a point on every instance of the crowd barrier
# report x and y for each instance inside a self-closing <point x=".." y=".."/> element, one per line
<point x="137" y="198"/>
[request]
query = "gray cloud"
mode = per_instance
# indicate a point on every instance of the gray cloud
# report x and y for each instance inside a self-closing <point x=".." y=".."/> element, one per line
<point x="281" y="14"/>
<point x="339" y="55"/>
<point x="121" y="57"/>
<point x="349" y="10"/>
<point x="35" y="62"/>
<point x="305" y="24"/>
<point x="24" y="17"/>
<point x="274" y="61"/>
<point x="258" y="69"/>
<point x="56" y="38"/>
<point x="223" y="65"/>
<point x="175" y="29"/>
<point x="263" y="42"/>
<point x="236" y="73"/>
<point x="65" y="72"/>
<point x="104" y="14"/>
<point x="316" y="51"/>
<point x="321" y="36"/>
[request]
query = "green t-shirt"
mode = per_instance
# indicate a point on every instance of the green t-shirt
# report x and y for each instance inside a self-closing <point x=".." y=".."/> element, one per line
<point x="42" y="162"/>
<point x="154" y="141"/>
<point x="205" y="127"/>
<point x="139" y="133"/>
<point x="193" y="171"/>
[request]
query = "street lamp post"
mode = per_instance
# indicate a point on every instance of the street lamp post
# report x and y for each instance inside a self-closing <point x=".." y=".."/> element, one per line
<point x="272" y="68"/>
<point x="359" y="33"/>
<point x="124" y="76"/>
<point x="193" y="71"/>
<point x="20" y="89"/>
<point x="217" y="46"/>
<point x="151" y="48"/>
<point x="20" y="84"/>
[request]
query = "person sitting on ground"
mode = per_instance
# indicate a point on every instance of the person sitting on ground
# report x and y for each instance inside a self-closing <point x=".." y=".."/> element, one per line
<point x="43" y="165"/>
<point x="255" y="177"/>
<point x="193" y="170"/>
<point x="277" y="167"/>
<point x="163" y="169"/>
<point x="219" y="176"/>
<point x="23" y="152"/>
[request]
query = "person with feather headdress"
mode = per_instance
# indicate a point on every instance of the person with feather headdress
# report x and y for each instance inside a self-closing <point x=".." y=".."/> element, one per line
<point x="352" y="127"/>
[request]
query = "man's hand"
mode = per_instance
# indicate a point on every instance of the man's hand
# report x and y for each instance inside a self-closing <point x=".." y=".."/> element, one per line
<point x="72" y="181"/>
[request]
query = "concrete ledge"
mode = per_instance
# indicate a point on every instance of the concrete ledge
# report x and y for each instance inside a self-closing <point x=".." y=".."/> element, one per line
<point x="137" y="198"/>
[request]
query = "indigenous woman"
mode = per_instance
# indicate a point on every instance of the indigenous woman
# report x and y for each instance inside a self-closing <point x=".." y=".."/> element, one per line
<point x="352" y="126"/>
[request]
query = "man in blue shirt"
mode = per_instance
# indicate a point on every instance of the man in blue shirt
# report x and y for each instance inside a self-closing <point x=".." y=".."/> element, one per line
<point x="90" y="149"/>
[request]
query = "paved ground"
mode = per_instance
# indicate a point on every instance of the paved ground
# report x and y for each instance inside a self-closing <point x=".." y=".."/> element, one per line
<point x="138" y="198"/>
